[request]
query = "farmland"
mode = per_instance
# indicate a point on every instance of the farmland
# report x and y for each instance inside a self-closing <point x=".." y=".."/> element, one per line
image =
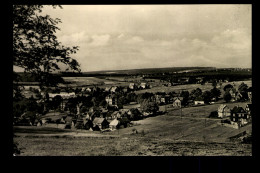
<point x="169" y="134"/>
<point x="189" y="87"/>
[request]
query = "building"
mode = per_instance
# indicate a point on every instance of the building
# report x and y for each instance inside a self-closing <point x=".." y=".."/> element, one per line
<point x="100" y="123"/>
<point x="115" y="114"/>
<point x="199" y="102"/>
<point x="107" y="89"/>
<point x="165" y="99"/>
<point x="177" y="102"/>
<point x="87" y="124"/>
<point x="132" y="86"/>
<point x="114" y="124"/>
<point x="114" y="89"/>
<point x="111" y="100"/>
<point x="143" y="85"/>
<point x="239" y="115"/>
<point x="224" y="111"/>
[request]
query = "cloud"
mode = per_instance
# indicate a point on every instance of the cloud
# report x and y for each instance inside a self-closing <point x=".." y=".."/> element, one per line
<point x="234" y="39"/>
<point x="100" y="40"/>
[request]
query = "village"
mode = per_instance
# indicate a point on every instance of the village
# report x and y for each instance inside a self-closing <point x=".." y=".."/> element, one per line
<point x="132" y="80"/>
<point x="110" y="108"/>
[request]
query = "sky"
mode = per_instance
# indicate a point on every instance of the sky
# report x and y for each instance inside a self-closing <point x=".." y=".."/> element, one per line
<point x="116" y="37"/>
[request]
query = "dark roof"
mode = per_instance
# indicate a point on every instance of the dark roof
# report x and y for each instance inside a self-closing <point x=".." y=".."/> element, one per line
<point x="237" y="109"/>
<point x="124" y="120"/>
<point x="177" y="98"/>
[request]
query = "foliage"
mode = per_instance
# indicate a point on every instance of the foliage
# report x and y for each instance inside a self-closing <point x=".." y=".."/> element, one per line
<point x="227" y="96"/>
<point x="145" y="96"/>
<point x="56" y="101"/>
<point x="185" y="95"/>
<point x="215" y="92"/>
<point x="149" y="106"/>
<point x="227" y="87"/>
<point x="195" y="93"/>
<point x="207" y="96"/>
<point x="35" y="46"/>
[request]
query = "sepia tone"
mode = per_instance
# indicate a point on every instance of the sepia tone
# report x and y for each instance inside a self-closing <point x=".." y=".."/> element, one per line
<point x="141" y="80"/>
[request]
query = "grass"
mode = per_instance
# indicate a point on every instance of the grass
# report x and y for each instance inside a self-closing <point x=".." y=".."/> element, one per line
<point x="190" y="87"/>
<point x="193" y="134"/>
<point x="166" y="135"/>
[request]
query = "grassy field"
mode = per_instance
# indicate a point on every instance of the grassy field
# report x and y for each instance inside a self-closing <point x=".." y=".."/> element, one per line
<point x="162" y="135"/>
<point x="190" y="87"/>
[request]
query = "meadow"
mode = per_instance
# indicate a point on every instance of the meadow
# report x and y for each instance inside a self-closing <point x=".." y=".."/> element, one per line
<point x="192" y="134"/>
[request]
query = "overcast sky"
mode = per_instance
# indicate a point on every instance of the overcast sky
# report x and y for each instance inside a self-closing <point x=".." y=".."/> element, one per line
<point x="114" y="37"/>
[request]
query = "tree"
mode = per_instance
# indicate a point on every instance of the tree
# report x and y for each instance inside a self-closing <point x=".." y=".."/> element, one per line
<point x="35" y="46"/>
<point x="185" y="95"/>
<point x="195" y="93"/>
<point x="207" y="96"/>
<point x="56" y="101"/>
<point x="242" y="87"/>
<point x="149" y="106"/>
<point x="227" y="96"/>
<point x="227" y="87"/>
<point x="215" y="93"/>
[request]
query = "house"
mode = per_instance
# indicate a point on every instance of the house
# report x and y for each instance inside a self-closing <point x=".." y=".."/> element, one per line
<point x="107" y="89"/>
<point x="123" y="111"/>
<point x="69" y="123"/>
<point x="143" y="85"/>
<point x="177" y="102"/>
<point x="239" y="115"/>
<point x="79" y="123"/>
<point x="114" y="89"/>
<point x="162" y="109"/>
<point x="132" y="86"/>
<point x="199" y="102"/>
<point x="224" y="111"/>
<point x="124" y="121"/>
<point x="114" y="124"/>
<point x="158" y="98"/>
<point x="115" y="115"/>
<point x="165" y="99"/>
<point x="111" y="100"/>
<point x="88" y="89"/>
<point x="100" y="123"/>
<point x="87" y="124"/>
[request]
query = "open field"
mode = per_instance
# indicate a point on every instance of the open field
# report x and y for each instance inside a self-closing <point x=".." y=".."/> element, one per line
<point x="190" y="87"/>
<point x="166" y="135"/>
